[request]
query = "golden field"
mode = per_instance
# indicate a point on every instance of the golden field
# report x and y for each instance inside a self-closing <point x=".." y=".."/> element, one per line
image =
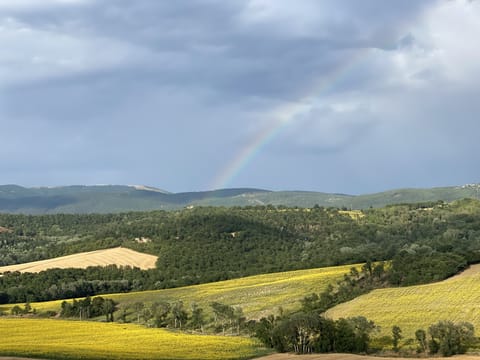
<point x="54" y="339"/>
<point x="117" y="256"/>
<point x="257" y="295"/>
<point x="417" y="307"/>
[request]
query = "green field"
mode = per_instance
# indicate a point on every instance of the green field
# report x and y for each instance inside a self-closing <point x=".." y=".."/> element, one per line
<point x="257" y="295"/>
<point x="417" y="307"/>
<point x="58" y="339"/>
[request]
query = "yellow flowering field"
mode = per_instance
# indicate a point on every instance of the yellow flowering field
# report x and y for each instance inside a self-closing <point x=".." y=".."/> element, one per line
<point x="417" y="307"/>
<point x="257" y="295"/>
<point x="59" y="339"/>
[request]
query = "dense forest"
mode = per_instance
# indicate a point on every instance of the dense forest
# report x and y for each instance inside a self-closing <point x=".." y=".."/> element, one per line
<point x="424" y="242"/>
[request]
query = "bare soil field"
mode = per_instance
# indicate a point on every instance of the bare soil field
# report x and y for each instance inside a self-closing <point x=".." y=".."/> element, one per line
<point x="117" y="256"/>
<point x="354" y="357"/>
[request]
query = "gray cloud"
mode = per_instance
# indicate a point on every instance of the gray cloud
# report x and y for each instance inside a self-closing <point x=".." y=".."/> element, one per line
<point x="168" y="93"/>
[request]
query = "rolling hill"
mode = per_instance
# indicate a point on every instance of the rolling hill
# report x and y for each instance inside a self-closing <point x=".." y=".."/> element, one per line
<point x="117" y="256"/>
<point x="257" y="295"/>
<point x="417" y="307"/>
<point x="120" y="198"/>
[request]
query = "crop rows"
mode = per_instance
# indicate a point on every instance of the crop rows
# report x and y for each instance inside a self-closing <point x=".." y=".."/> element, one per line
<point x="417" y="307"/>
<point x="257" y="295"/>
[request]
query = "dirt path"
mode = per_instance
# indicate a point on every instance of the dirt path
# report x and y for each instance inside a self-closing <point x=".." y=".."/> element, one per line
<point x="352" y="357"/>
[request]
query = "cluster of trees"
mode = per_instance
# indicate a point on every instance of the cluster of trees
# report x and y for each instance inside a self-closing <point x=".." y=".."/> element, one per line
<point x="425" y="242"/>
<point x="56" y="284"/>
<point x="305" y="333"/>
<point x="89" y="308"/>
<point x="224" y="319"/>
<point x="354" y="284"/>
<point x="422" y="265"/>
<point x="27" y="309"/>
<point x="448" y="338"/>
<point x="310" y="332"/>
<point x="444" y="337"/>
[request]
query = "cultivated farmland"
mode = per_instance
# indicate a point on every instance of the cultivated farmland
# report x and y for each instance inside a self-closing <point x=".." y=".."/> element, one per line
<point x="417" y="307"/>
<point x="117" y="256"/>
<point x="104" y="341"/>
<point x="257" y="295"/>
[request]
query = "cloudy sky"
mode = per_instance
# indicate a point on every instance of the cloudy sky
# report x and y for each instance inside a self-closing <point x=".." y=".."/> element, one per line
<point x="335" y="96"/>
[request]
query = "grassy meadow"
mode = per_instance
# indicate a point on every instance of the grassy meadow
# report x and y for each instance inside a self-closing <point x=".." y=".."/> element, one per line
<point x="59" y="339"/>
<point x="257" y="295"/>
<point x="417" y="307"/>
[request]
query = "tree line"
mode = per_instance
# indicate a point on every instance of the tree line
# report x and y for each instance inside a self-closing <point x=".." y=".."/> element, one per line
<point x="222" y="318"/>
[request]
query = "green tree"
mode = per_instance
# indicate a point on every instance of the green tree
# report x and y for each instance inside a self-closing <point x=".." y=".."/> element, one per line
<point x="396" y="336"/>
<point x="179" y="314"/>
<point x="16" y="310"/>
<point x="138" y="307"/>
<point x="449" y="338"/>
<point x="109" y="307"/>
<point x="421" y="337"/>
<point x="161" y="311"/>
<point x="197" y="321"/>
<point x="223" y="315"/>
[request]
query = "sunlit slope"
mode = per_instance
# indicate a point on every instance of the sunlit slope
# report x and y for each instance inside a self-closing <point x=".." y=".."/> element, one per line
<point x="60" y="339"/>
<point x="117" y="256"/>
<point x="416" y="307"/>
<point x="257" y="295"/>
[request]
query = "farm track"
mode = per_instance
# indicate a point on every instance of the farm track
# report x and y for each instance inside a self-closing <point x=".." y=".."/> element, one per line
<point x="353" y="357"/>
<point x="318" y="357"/>
<point x="117" y="256"/>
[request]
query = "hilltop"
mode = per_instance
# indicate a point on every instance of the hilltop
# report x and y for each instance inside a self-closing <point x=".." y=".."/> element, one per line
<point x="121" y="198"/>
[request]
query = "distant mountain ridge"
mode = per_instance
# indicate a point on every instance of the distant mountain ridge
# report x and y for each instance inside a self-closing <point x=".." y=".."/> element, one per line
<point x="121" y="198"/>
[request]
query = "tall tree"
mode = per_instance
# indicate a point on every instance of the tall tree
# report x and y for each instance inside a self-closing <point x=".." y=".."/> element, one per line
<point x="396" y="336"/>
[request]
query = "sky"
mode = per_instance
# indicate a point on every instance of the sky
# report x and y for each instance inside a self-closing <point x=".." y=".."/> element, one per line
<point x="334" y="96"/>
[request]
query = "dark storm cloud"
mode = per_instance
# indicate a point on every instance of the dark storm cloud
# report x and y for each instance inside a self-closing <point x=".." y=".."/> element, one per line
<point x="149" y="91"/>
<point x="221" y="45"/>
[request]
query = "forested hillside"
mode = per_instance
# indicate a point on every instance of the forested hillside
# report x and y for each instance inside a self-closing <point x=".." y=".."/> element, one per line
<point x="119" y="198"/>
<point x="426" y="242"/>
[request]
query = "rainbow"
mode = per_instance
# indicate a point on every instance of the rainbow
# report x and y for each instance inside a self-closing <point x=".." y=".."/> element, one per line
<point x="283" y="116"/>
